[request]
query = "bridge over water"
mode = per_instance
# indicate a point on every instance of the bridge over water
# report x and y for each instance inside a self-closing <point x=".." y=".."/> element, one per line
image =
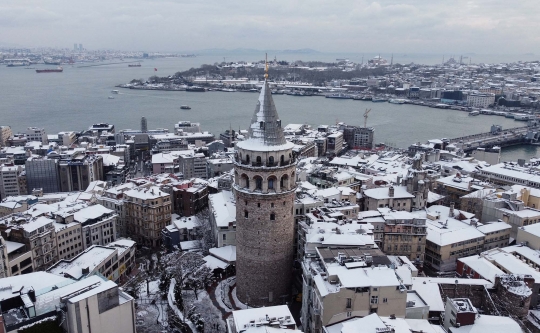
<point x="498" y="136"/>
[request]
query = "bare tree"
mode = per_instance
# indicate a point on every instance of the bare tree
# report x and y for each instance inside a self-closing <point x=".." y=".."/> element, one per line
<point x="204" y="232"/>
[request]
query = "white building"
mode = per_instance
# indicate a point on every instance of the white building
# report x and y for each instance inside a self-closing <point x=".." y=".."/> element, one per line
<point x="37" y="134"/>
<point x="480" y="100"/>
<point x="5" y="134"/>
<point x="90" y="305"/>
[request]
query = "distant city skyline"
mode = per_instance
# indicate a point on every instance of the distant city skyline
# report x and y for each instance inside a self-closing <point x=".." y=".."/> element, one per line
<point x="489" y="27"/>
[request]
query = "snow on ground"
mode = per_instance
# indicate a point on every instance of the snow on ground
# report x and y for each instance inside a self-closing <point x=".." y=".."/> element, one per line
<point x="170" y="298"/>
<point x="238" y="304"/>
<point x="148" y="316"/>
<point x="220" y="294"/>
<point x="153" y="286"/>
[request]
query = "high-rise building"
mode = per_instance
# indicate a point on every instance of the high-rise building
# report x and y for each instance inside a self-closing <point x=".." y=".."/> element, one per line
<point x="144" y="125"/>
<point x="80" y="47"/>
<point x="75" y="48"/>
<point x="358" y="137"/>
<point x="78" y="171"/>
<point x="265" y="191"/>
<point x="42" y="172"/>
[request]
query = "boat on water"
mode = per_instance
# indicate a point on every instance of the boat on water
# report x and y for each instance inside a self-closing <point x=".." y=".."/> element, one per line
<point x="378" y="100"/>
<point x="509" y="115"/>
<point x="474" y="113"/>
<point x="50" y="61"/>
<point x="523" y="117"/>
<point x="227" y="90"/>
<point x="396" y="101"/>
<point x="195" y="89"/>
<point x="50" y="70"/>
<point x="115" y="91"/>
<point x="111" y="97"/>
<point x="17" y="64"/>
<point x="338" y="96"/>
<point x="135" y="65"/>
<point x="185" y="107"/>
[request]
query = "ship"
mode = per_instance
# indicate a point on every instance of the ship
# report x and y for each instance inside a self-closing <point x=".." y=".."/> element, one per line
<point x="396" y="101"/>
<point x="135" y="65"/>
<point x="50" y="61"/>
<point x="474" y="113"/>
<point x="185" y="107"/>
<point x="195" y="89"/>
<point x="378" y="100"/>
<point x="55" y="70"/>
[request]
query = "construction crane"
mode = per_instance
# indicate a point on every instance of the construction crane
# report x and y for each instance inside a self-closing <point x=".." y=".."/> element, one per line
<point x="366" y="116"/>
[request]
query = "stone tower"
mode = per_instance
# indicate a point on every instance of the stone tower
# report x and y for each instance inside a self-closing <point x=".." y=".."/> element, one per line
<point x="264" y="190"/>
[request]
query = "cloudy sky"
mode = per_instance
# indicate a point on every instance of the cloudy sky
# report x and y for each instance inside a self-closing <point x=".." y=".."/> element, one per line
<point x="421" y="26"/>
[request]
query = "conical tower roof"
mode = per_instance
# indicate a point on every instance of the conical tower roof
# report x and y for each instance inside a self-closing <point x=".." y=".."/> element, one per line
<point x="265" y="125"/>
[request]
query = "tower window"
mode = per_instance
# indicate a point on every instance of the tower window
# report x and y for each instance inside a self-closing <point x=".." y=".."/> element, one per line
<point x="271" y="183"/>
<point x="272" y="205"/>
<point x="258" y="183"/>
<point x="259" y="204"/>
<point x="246" y="214"/>
<point x="271" y="160"/>
<point x="261" y="124"/>
<point x="272" y="217"/>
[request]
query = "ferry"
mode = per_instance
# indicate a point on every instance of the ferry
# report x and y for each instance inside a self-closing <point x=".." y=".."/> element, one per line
<point x="474" y="113"/>
<point x="523" y="117"/>
<point x="111" y="97"/>
<point x="509" y="115"/>
<point x="115" y="91"/>
<point x="56" y="70"/>
<point x="228" y="90"/>
<point x="135" y="65"/>
<point x="195" y="89"/>
<point x="185" y="107"/>
<point x="396" y="101"/>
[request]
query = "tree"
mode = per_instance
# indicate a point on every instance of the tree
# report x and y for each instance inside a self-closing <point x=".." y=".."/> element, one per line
<point x="177" y="293"/>
<point x="204" y="232"/>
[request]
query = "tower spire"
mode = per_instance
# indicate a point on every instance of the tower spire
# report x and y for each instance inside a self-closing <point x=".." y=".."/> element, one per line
<point x="266" y="67"/>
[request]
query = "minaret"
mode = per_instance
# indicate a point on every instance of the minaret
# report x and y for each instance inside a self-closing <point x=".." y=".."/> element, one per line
<point x="265" y="191"/>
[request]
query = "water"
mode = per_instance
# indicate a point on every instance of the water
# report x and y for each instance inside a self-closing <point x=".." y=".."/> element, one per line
<point x="78" y="97"/>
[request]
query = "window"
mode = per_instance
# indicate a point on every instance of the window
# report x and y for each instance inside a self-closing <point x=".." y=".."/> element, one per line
<point x="375" y="289"/>
<point x="272" y="217"/>
<point x="258" y="183"/>
<point x="349" y="314"/>
<point x="224" y="236"/>
<point x="246" y="214"/>
<point x="271" y="184"/>
<point x="271" y="160"/>
<point x="374" y="299"/>
<point x="259" y="160"/>
<point x="385" y="300"/>
<point x="259" y="204"/>
<point x="272" y="205"/>
<point x="349" y="303"/>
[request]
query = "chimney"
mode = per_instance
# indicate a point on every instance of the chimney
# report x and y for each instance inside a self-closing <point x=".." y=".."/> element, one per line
<point x="451" y="213"/>
<point x="391" y="191"/>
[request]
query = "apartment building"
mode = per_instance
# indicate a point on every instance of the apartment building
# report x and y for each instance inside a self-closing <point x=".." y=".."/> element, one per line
<point x="37" y="134"/>
<point x="404" y="234"/>
<point x="12" y="181"/>
<point x="93" y="303"/>
<point x="148" y="211"/>
<point x="344" y="283"/>
<point x="37" y="233"/>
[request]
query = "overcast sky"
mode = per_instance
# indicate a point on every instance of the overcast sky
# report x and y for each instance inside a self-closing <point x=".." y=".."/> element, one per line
<point x="419" y="26"/>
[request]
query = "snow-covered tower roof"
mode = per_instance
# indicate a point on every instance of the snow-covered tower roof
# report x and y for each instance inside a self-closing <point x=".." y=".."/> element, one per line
<point x="265" y="125"/>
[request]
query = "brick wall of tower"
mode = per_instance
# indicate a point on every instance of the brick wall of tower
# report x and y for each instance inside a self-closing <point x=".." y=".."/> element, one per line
<point x="264" y="247"/>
